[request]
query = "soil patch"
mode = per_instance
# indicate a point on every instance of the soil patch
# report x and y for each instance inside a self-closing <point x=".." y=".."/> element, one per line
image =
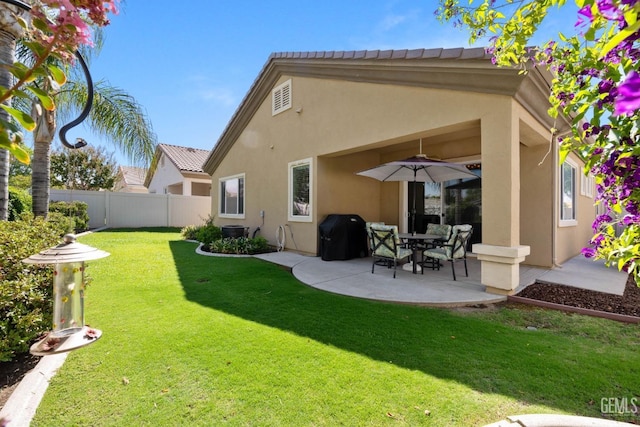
<point x="628" y="304"/>
<point x="11" y="373"/>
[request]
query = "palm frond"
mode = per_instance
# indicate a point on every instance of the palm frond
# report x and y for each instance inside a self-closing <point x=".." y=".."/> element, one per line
<point x="115" y="116"/>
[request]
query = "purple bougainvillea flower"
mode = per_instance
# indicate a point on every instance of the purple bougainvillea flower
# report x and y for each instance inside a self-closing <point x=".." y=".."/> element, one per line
<point x="586" y="13"/>
<point x="628" y="99"/>
<point x="588" y="252"/>
<point x="631" y="219"/>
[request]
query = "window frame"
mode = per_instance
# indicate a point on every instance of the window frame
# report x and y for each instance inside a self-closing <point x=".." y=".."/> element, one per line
<point x="573" y="221"/>
<point x="292" y="216"/>
<point x="587" y="184"/>
<point x="241" y="196"/>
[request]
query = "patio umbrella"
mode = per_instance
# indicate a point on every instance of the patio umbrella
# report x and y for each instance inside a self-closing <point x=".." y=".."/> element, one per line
<point x="418" y="168"/>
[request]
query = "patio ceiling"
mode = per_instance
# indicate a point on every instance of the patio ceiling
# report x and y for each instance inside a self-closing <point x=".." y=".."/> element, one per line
<point x="411" y="143"/>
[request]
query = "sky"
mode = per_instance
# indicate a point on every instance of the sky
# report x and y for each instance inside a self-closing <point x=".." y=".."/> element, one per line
<point x="190" y="64"/>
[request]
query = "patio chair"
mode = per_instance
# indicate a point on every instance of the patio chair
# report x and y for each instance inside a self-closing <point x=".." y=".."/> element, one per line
<point x="367" y="226"/>
<point x="453" y="250"/>
<point x="442" y="230"/>
<point x="386" y="247"/>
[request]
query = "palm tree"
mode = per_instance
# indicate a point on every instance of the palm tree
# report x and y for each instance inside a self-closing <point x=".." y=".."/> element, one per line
<point x="9" y="32"/>
<point x="115" y="115"/>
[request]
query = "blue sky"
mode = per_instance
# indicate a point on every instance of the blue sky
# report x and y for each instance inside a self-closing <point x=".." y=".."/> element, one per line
<point x="191" y="63"/>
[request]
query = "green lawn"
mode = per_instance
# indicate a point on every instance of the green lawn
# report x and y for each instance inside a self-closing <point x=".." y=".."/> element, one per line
<point x="195" y="340"/>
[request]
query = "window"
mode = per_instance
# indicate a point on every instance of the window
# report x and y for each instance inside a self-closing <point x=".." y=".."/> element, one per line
<point x="568" y="172"/>
<point x="586" y="185"/>
<point x="300" y="186"/>
<point x="281" y="98"/>
<point x="232" y="196"/>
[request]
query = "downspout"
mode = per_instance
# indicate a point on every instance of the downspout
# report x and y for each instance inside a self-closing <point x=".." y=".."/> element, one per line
<point x="556" y="197"/>
<point x="566" y="125"/>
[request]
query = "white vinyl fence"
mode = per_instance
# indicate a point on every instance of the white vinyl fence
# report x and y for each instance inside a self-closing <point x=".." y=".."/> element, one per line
<point x="138" y="210"/>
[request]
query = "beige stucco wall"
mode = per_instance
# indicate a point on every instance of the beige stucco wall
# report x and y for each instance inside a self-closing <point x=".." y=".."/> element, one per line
<point x="345" y="127"/>
<point x="334" y="118"/>
<point x="536" y="201"/>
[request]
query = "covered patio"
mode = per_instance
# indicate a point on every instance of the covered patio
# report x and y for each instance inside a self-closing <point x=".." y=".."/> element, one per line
<point x="436" y="288"/>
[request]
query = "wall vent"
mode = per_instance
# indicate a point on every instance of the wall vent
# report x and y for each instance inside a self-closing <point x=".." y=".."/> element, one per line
<point x="281" y="98"/>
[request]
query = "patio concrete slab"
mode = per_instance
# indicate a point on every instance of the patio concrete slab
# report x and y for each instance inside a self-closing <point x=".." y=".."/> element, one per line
<point x="437" y="287"/>
<point x="587" y="274"/>
<point x="434" y="287"/>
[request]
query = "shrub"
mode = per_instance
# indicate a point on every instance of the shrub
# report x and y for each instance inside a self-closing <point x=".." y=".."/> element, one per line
<point x="239" y="246"/>
<point x="190" y="232"/>
<point x="63" y="223"/>
<point x="205" y="233"/>
<point x="75" y="210"/>
<point x="19" y="202"/>
<point x="259" y="245"/>
<point x="25" y="290"/>
<point x="208" y="234"/>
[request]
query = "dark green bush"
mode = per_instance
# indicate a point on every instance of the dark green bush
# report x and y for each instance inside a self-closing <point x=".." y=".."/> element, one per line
<point x="76" y="210"/>
<point x="208" y="233"/>
<point x="259" y="245"/>
<point x="19" y="201"/>
<point x="238" y="246"/>
<point x="25" y="290"/>
<point x="62" y="222"/>
<point x="210" y="236"/>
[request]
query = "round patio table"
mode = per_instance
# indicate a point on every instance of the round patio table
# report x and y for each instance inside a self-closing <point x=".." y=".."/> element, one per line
<point x="414" y="241"/>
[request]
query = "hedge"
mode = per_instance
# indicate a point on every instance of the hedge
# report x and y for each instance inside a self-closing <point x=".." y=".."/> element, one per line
<point x="25" y="290"/>
<point x="75" y="210"/>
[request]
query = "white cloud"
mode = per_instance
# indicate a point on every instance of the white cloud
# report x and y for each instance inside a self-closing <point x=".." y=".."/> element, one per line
<point x="202" y="88"/>
<point x="389" y="22"/>
<point x="220" y="94"/>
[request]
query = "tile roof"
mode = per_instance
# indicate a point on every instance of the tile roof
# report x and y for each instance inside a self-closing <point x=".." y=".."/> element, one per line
<point x="358" y="60"/>
<point x="186" y="159"/>
<point x="391" y="54"/>
<point x="133" y="175"/>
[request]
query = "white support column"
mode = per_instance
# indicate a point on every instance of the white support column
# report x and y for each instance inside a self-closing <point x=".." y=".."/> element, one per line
<point x="500" y="252"/>
<point x="500" y="266"/>
<point x="186" y="187"/>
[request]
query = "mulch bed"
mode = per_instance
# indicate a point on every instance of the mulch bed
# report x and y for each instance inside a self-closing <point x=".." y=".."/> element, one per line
<point x="628" y="304"/>
<point x="11" y="373"/>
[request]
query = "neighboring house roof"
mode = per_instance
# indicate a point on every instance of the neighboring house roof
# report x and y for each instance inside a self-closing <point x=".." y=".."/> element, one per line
<point x="133" y="175"/>
<point x="185" y="159"/>
<point x="465" y="69"/>
<point x="130" y="179"/>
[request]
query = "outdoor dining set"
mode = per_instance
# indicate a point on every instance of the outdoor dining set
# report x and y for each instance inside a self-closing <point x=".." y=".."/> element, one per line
<point x="439" y="243"/>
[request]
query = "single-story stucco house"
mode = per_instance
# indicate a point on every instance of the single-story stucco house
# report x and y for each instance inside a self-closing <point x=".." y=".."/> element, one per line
<point x="130" y="179"/>
<point x="311" y="120"/>
<point x="178" y="170"/>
